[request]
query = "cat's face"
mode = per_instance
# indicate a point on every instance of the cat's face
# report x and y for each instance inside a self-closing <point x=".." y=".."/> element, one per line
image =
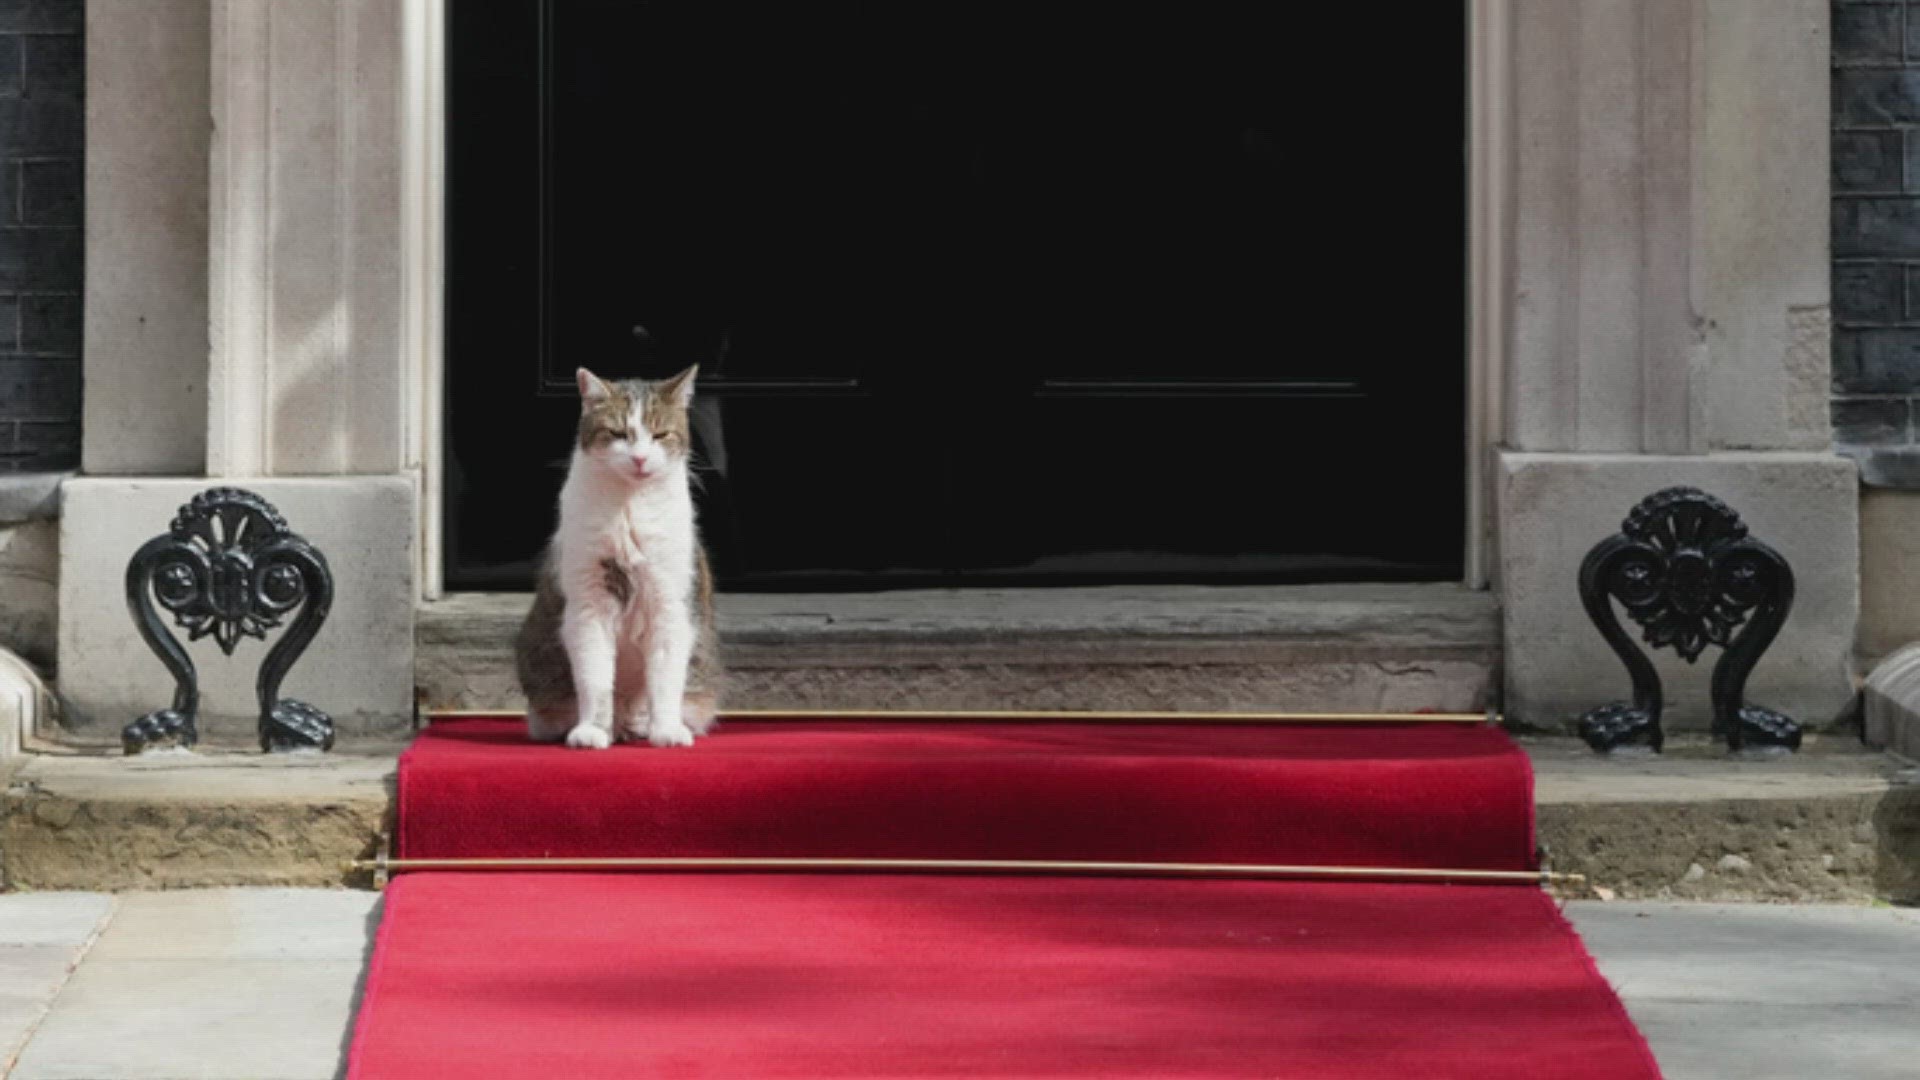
<point x="634" y="428"/>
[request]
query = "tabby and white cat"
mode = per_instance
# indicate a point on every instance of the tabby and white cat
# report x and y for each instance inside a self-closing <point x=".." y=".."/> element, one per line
<point x="620" y="641"/>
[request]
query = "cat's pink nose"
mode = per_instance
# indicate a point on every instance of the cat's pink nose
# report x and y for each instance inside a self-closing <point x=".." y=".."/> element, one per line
<point x="641" y="463"/>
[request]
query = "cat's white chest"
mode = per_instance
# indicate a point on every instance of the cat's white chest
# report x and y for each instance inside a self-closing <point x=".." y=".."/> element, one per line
<point x="656" y="545"/>
<point x="630" y="550"/>
<point x="635" y="548"/>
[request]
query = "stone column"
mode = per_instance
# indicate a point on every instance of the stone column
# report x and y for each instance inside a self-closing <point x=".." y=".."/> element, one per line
<point x="1666" y="323"/>
<point x="145" y="309"/>
<point x="308" y="357"/>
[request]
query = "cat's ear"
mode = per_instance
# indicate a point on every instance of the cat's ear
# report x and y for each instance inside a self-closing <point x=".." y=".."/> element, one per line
<point x="592" y="389"/>
<point x="680" y="387"/>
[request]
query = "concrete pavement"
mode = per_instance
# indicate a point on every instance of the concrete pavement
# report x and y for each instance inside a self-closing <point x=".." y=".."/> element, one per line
<point x="262" y="984"/>
<point x="214" y="984"/>
<point x="1762" y="992"/>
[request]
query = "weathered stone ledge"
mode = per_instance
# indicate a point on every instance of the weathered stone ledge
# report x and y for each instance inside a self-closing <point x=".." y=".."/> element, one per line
<point x="1190" y="648"/>
<point x="1835" y="823"/>
<point x="173" y="819"/>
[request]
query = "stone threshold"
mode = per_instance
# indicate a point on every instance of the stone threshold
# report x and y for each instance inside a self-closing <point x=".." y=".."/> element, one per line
<point x="1448" y="612"/>
<point x="1836" y="823"/>
<point x="1348" y="648"/>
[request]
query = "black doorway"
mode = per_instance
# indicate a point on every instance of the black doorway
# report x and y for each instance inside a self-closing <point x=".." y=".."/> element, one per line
<point x="983" y="293"/>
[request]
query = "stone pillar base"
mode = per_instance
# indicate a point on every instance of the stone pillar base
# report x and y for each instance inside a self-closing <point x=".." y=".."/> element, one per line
<point x="1890" y="705"/>
<point x="359" y="669"/>
<point x="25" y="705"/>
<point x="29" y="565"/>
<point x="1554" y="507"/>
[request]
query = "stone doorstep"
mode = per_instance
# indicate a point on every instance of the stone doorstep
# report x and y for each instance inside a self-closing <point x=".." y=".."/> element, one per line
<point x="1835" y="823"/>
<point x="175" y="819"/>
<point x="1343" y="648"/>
<point x="1288" y="648"/>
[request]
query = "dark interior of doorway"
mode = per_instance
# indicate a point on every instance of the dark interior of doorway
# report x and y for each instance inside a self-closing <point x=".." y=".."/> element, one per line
<point x="983" y="293"/>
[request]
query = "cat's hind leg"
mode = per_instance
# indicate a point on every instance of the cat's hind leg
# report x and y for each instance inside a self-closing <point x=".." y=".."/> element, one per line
<point x="546" y="724"/>
<point x="700" y="711"/>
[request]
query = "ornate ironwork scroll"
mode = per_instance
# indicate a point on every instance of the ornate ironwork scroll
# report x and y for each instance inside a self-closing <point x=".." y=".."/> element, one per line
<point x="227" y="568"/>
<point x="1684" y="568"/>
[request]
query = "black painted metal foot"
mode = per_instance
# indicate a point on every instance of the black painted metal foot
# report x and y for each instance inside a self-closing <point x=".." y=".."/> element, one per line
<point x="1763" y="728"/>
<point x="1620" y="726"/>
<point x="295" y="725"/>
<point x="160" y="727"/>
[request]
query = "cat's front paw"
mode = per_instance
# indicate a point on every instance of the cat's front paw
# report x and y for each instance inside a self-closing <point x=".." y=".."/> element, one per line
<point x="674" y="734"/>
<point x="589" y="737"/>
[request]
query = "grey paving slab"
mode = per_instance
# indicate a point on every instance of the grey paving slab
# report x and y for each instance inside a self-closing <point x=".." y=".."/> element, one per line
<point x="30" y="977"/>
<point x="51" y="918"/>
<point x="1738" y="1040"/>
<point x="240" y="924"/>
<point x="248" y="984"/>
<point x="1762" y="992"/>
<point x="1758" y="953"/>
<point x="42" y="937"/>
<point x="208" y="1019"/>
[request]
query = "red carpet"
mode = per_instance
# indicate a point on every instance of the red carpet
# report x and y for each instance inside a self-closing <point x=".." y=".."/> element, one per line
<point x="588" y="976"/>
<point x="563" y="975"/>
<point x="1403" y="795"/>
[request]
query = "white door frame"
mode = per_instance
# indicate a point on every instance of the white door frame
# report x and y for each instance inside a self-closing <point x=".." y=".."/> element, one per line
<point x="423" y="180"/>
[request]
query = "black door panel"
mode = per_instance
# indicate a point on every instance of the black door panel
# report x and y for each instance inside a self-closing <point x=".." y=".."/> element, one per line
<point x="981" y="292"/>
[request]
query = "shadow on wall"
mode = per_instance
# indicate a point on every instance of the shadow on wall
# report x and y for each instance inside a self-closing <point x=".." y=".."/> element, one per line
<point x="310" y="400"/>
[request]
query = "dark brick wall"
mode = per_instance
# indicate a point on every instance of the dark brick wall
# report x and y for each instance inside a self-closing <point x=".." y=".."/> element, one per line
<point x="42" y="137"/>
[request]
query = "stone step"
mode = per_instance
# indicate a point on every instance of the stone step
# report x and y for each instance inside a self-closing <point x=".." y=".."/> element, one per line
<point x="1834" y="823"/>
<point x="1321" y="648"/>
<point x="1309" y="648"/>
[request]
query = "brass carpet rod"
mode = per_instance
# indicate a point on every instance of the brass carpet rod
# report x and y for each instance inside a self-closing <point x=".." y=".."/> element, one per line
<point x="382" y="865"/>
<point x="963" y="715"/>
